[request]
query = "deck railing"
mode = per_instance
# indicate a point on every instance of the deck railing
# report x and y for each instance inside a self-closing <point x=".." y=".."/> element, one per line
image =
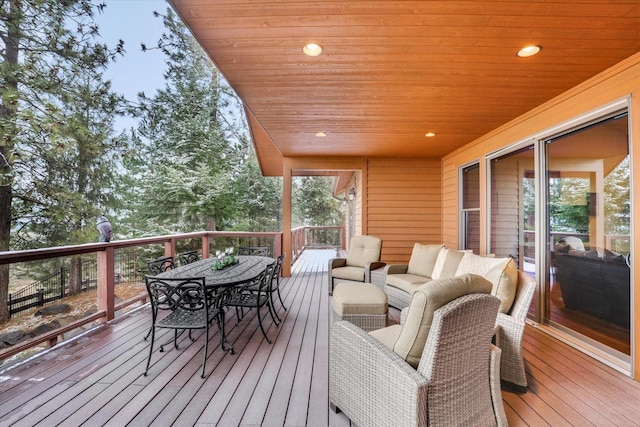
<point x="319" y="237"/>
<point x="147" y="248"/>
<point x="125" y="260"/>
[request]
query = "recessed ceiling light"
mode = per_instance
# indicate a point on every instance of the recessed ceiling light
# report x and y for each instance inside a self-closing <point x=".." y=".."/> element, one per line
<point x="529" y="51"/>
<point x="321" y="134"/>
<point x="312" y="49"/>
<point x="429" y="134"/>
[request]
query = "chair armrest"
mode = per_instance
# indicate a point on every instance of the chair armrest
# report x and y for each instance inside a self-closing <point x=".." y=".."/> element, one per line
<point x="403" y="315"/>
<point x="396" y="268"/>
<point x="370" y="383"/>
<point x="370" y="266"/>
<point x="509" y="331"/>
<point x="337" y="262"/>
<point x="508" y="324"/>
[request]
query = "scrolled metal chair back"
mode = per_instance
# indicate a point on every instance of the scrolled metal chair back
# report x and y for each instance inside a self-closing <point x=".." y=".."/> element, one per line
<point x="160" y="265"/>
<point x="188" y="294"/>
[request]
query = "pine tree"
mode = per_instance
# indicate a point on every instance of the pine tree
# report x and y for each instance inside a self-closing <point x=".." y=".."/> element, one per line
<point x="182" y="177"/>
<point x="47" y="46"/>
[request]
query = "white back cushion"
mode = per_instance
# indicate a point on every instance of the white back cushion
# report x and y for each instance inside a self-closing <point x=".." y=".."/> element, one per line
<point x="423" y="258"/>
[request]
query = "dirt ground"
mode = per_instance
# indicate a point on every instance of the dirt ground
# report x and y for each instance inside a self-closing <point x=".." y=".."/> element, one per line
<point x="80" y="305"/>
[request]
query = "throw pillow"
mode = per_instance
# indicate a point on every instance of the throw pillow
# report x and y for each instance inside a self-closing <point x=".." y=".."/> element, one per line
<point x="504" y="278"/>
<point x="423" y="258"/>
<point x="447" y="263"/>
<point x="427" y="299"/>
<point x="477" y="264"/>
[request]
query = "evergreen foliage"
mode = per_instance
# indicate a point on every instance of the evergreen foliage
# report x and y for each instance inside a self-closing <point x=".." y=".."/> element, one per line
<point x="189" y="166"/>
<point x="182" y="179"/>
<point x="56" y="111"/>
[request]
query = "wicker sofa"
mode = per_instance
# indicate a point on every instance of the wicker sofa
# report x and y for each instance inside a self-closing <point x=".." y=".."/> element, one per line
<point x="431" y="262"/>
<point x="514" y="288"/>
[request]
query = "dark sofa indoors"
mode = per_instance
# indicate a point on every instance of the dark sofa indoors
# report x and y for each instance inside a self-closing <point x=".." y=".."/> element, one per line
<point x="595" y="284"/>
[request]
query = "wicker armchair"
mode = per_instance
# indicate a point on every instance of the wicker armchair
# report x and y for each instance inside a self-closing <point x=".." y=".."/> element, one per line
<point x="510" y="329"/>
<point x="456" y="382"/>
<point x="363" y="257"/>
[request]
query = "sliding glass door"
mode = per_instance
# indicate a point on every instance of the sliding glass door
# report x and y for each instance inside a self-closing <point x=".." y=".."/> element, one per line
<point x="588" y="232"/>
<point x="559" y="205"/>
<point x="512" y="208"/>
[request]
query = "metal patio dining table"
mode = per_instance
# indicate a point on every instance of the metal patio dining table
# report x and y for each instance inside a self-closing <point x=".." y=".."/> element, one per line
<point x="247" y="269"/>
<point x="221" y="282"/>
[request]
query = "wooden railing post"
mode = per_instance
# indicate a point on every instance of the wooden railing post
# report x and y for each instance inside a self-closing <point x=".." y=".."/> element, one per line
<point x="205" y="246"/>
<point x="106" y="285"/>
<point x="170" y="248"/>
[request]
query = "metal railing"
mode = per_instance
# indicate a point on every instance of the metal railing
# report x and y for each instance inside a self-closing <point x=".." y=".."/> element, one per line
<point x="55" y="286"/>
<point x="50" y="288"/>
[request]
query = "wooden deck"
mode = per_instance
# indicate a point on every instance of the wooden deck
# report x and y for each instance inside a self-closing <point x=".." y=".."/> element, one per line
<point x="96" y="379"/>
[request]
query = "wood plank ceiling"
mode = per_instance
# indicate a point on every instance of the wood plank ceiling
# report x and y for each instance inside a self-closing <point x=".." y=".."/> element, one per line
<point x="392" y="71"/>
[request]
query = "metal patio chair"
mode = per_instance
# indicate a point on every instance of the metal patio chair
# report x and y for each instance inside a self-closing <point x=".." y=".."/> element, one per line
<point x="189" y="308"/>
<point x="160" y="265"/>
<point x="188" y="257"/>
<point x="254" y="294"/>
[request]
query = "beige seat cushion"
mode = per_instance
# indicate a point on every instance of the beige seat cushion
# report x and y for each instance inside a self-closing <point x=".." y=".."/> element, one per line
<point x="406" y="282"/>
<point x="363" y="249"/>
<point x="348" y="273"/>
<point x="423" y="258"/>
<point x="387" y="336"/>
<point x="504" y="278"/>
<point x="354" y="298"/>
<point x="410" y="339"/>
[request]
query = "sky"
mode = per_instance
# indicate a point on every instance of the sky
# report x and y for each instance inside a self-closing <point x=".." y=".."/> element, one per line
<point x="137" y="71"/>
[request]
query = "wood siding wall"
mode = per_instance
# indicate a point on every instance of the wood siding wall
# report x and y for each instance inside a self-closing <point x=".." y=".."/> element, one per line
<point x="620" y="81"/>
<point x="404" y="204"/>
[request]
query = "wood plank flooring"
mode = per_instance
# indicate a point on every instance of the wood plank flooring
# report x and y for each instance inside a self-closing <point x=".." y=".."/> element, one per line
<point x="97" y="378"/>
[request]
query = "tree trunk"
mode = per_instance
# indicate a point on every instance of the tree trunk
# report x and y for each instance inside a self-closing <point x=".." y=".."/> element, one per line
<point x="75" y="275"/>
<point x="5" y="229"/>
<point x="211" y="224"/>
<point x="8" y="117"/>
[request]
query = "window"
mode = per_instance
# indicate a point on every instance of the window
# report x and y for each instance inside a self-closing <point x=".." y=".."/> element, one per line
<point x="470" y="212"/>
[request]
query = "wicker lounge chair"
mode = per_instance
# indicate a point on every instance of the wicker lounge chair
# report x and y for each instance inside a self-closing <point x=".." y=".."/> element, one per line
<point x="510" y="329"/>
<point x="456" y="382"/>
<point x="363" y="257"/>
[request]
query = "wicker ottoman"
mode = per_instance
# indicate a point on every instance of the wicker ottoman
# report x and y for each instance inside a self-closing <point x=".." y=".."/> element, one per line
<point x="362" y="304"/>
